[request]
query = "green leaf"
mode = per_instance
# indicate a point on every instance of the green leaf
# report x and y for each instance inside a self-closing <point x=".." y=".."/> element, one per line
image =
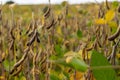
<point x="61" y="62"/>
<point x="79" y="33"/>
<point x="74" y="63"/>
<point x="59" y="50"/>
<point x="54" y="77"/>
<point x="113" y="26"/>
<point x="115" y="4"/>
<point x="66" y="74"/>
<point x="71" y="60"/>
<point x="89" y="23"/>
<point x="64" y="3"/>
<point x="78" y="64"/>
<point x="6" y="64"/>
<point x="118" y="78"/>
<point x="93" y="38"/>
<point x="113" y="30"/>
<point x="98" y="60"/>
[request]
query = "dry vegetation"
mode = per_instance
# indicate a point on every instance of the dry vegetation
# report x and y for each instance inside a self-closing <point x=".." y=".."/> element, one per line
<point x="60" y="42"/>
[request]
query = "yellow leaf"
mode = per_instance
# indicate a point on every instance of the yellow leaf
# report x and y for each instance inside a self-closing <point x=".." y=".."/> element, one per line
<point x="68" y="59"/>
<point x="78" y="76"/>
<point x="89" y="54"/>
<point x="3" y="56"/>
<point x="59" y="30"/>
<point x="80" y="53"/>
<point x="69" y="56"/>
<point x="23" y="78"/>
<point x="70" y="53"/>
<point x="112" y="24"/>
<point x="58" y="12"/>
<point x="43" y="21"/>
<point x="100" y="21"/>
<point x="109" y="15"/>
<point x="118" y="55"/>
<point x="2" y="78"/>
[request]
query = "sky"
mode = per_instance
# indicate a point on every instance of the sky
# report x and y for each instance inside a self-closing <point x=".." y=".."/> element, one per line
<point x="52" y="1"/>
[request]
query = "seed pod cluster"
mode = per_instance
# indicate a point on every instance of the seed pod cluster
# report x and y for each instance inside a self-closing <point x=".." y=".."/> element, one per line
<point x="33" y="33"/>
<point x="18" y="70"/>
<point x="11" y="33"/>
<point x="29" y="27"/>
<point x="12" y="39"/>
<point x="115" y="35"/>
<point x="34" y="37"/>
<point x="16" y="65"/>
<point x="51" y="24"/>
<point x="43" y="62"/>
<point x="47" y="14"/>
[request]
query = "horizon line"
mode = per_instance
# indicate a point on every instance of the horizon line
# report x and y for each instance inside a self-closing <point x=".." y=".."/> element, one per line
<point x="55" y="3"/>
